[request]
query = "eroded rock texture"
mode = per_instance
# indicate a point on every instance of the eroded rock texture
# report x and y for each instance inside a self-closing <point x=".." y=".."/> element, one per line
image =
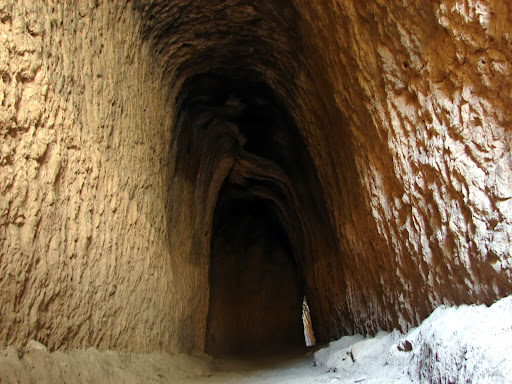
<point x="378" y="132"/>
<point x="84" y="173"/>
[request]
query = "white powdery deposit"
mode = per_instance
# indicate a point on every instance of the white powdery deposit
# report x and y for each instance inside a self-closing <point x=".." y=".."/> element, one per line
<point x="465" y="344"/>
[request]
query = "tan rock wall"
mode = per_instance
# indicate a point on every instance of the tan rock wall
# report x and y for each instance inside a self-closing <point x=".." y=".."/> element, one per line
<point x="84" y="169"/>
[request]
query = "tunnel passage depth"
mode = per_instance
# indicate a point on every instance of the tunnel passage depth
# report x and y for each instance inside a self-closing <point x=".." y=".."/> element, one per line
<point x="255" y="290"/>
<point x="258" y="212"/>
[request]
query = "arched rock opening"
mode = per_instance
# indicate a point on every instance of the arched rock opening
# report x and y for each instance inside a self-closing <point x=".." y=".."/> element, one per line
<point x="256" y="291"/>
<point x="234" y="131"/>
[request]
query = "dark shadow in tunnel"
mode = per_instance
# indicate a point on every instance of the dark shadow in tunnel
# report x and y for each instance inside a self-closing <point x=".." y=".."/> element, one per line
<point x="235" y="68"/>
<point x="255" y="290"/>
<point x="242" y="159"/>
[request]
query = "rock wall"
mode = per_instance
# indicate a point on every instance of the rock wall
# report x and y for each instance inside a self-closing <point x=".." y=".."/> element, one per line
<point x="397" y="196"/>
<point x="84" y="172"/>
<point x="411" y="137"/>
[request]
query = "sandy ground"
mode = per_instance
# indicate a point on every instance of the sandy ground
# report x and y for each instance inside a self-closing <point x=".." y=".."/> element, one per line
<point x="296" y="367"/>
<point x="465" y="344"/>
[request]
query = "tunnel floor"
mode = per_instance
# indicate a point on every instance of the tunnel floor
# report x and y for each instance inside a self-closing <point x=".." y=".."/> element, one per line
<point x="293" y="367"/>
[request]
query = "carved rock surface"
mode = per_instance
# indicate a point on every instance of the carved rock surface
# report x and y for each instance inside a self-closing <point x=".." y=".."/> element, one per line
<point x="380" y="131"/>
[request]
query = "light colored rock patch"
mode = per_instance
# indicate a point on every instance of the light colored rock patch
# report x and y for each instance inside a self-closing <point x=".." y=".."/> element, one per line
<point x="83" y="172"/>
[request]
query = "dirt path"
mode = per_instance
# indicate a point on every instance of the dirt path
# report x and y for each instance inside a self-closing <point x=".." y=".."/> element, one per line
<point x="38" y="365"/>
<point x="294" y="368"/>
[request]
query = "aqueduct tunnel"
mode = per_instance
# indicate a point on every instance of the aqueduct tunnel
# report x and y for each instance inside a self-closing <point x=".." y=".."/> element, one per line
<point x="177" y="175"/>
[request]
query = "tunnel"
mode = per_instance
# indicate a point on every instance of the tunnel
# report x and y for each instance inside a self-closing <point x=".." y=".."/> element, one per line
<point x="256" y="293"/>
<point x="177" y="176"/>
<point x="264" y="205"/>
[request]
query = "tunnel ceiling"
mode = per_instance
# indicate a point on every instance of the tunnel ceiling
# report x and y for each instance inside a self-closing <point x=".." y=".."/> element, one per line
<point x="235" y="66"/>
<point x="378" y="132"/>
<point x="238" y="120"/>
<point x="194" y="37"/>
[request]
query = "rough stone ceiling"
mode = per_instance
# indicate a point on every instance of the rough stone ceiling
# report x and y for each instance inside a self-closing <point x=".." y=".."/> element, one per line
<point x="232" y="119"/>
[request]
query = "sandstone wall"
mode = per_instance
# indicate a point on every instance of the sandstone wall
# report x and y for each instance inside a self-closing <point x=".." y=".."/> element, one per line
<point x="84" y="170"/>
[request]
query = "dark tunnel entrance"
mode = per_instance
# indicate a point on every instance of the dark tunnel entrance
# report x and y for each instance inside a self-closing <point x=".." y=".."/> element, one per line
<point x="255" y="290"/>
<point x="243" y="159"/>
